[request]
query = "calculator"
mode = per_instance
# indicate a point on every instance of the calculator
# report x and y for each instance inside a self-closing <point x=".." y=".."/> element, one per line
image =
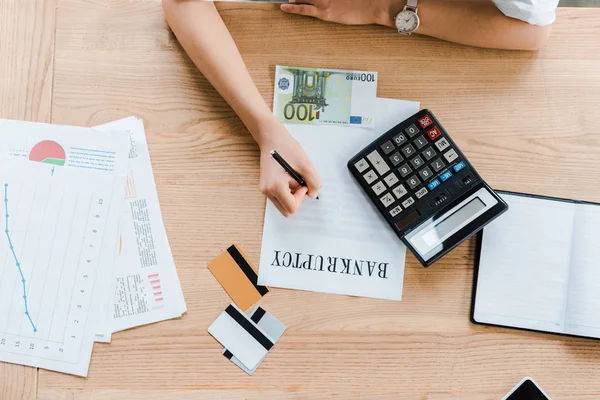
<point x="425" y="187"/>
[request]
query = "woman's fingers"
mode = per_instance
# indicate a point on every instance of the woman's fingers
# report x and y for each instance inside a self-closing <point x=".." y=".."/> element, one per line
<point x="301" y="9"/>
<point x="313" y="181"/>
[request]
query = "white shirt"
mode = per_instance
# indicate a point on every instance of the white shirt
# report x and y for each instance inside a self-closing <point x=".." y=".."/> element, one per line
<point x="535" y="12"/>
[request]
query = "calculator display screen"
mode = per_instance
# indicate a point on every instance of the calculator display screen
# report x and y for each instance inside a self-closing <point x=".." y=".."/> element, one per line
<point x="443" y="228"/>
<point x="428" y="238"/>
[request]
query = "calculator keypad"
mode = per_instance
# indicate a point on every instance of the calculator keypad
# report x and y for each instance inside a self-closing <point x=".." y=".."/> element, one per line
<point x="438" y="165"/>
<point x="387" y="147"/>
<point x="387" y="200"/>
<point x="416" y="162"/>
<point x="434" y="133"/>
<point x="396" y="159"/>
<point x="409" y="165"/>
<point x="408" y="202"/>
<point x="442" y="144"/>
<point x="413" y="182"/>
<point x="408" y="150"/>
<point x="400" y="139"/>
<point x="400" y="192"/>
<point x="391" y="179"/>
<point x="378" y="188"/>
<point x="361" y="165"/>
<point x="420" y="142"/>
<point x="429" y="153"/>
<point x="404" y="170"/>
<point x="378" y="163"/>
<point x="450" y="156"/>
<point x="412" y="130"/>
<point x="370" y="177"/>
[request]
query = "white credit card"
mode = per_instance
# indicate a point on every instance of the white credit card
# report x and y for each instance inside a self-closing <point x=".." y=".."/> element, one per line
<point x="241" y="336"/>
<point x="271" y="325"/>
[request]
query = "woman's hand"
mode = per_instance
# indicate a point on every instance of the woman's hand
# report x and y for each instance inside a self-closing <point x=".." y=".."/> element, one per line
<point x="349" y="12"/>
<point x="283" y="191"/>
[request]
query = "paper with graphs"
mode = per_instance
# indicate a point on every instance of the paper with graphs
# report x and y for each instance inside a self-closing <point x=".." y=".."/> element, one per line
<point x="146" y="284"/>
<point x="57" y="254"/>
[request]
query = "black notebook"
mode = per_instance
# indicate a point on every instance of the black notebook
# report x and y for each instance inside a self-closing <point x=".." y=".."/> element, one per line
<point x="539" y="267"/>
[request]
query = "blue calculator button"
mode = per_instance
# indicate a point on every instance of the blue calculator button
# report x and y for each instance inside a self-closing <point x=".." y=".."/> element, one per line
<point x="459" y="166"/>
<point x="445" y="176"/>
<point x="433" y="184"/>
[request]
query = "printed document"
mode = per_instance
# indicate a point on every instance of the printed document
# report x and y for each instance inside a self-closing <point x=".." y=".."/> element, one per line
<point x="57" y="253"/>
<point x="339" y="243"/>
<point x="146" y="285"/>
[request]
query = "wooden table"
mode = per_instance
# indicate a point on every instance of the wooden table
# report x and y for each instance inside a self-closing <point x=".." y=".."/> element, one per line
<point x="515" y="113"/>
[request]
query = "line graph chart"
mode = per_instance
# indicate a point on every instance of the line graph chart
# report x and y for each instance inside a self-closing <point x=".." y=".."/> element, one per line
<point x="54" y="243"/>
<point x="18" y="265"/>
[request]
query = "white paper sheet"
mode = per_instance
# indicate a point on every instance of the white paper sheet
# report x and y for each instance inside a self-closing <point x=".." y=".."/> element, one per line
<point x="146" y="284"/>
<point x="340" y="243"/>
<point x="524" y="265"/>
<point x="57" y="250"/>
<point x="58" y="146"/>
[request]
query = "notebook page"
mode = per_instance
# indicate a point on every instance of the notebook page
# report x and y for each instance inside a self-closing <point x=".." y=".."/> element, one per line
<point x="524" y="265"/>
<point x="583" y="311"/>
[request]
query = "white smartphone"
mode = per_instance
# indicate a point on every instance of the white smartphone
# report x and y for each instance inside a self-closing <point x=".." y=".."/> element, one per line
<point x="527" y="389"/>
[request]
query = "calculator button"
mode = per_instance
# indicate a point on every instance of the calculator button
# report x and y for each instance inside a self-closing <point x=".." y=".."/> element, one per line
<point x="408" y="150"/>
<point x="378" y="163"/>
<point x="442" y="144"/>
<point x="404" y="170"/>
<point x="433" y="184"/>
<point x="459" y="166"/>
<point x="420" y="142"/>
<point x="404" y="222"/>
<point x="378" y="188"/>
<point x="391" y="179"/>
<point x="387" y="147"/>
<point x="400" y="191"/>
<point x="429" y="153"/>
<point x="445" y="176"/>
<point x="412" y="130"/>
<point x="408" y="202"/>
<point x="370" y="177"/>
<point x="451" y="155"/>
<point x="387" y="200"/>
<point x="425" y="121"/>
<point x="413" y="182"/>
<point x="396" y="159"/>
<point x="416" y="162"/>
<point x="399" y="139"/>
<point x="421" y="192"/>
<point x="438" y="165"/>
<point x="395" y="211"/>
<point x="425" y="173"/>
<point x="361" y="165"/>
<point x="434" y="133"/>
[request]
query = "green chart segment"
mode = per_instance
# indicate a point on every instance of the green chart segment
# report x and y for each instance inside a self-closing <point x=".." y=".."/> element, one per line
<point x="48" y="152"/>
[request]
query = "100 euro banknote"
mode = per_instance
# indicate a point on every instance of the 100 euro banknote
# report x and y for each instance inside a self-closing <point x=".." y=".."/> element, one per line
<point x="315" y="96"/>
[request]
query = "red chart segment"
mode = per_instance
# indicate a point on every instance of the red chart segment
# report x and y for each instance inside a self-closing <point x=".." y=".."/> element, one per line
<point x="48" y="152"/>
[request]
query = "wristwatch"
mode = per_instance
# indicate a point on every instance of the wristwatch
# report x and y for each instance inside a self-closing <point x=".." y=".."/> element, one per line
<point x="407" y="20"/>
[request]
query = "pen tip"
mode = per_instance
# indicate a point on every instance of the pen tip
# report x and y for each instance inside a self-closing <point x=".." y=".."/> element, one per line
<point x="272" y="152"/>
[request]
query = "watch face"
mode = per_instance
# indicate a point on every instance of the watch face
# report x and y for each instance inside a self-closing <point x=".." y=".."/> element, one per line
<point x="407" y="21"/>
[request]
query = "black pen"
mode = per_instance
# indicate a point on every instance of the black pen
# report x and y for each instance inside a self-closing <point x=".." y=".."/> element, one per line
<point x="288" y="168"/>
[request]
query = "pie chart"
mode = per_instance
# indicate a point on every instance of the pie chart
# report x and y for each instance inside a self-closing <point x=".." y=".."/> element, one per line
<point x="48" y="152"/>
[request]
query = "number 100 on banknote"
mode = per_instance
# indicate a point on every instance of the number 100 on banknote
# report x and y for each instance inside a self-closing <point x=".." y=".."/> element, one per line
<point x="314" y="96"/>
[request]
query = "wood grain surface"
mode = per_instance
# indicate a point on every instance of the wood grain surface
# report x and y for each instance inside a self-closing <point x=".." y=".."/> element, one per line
<point x="528" y="121"/>
<point x="26" y="59"/>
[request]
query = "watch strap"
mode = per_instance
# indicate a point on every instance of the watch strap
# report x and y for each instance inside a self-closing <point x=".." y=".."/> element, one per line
<point x="411" y="5"/>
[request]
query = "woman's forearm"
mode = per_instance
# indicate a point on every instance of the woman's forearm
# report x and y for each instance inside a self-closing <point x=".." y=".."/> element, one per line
<point x="205" y="38"/>
<point x="474" y="23"/>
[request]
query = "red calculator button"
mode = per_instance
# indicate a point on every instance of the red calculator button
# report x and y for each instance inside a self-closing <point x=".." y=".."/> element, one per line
<point x="425" y="121"/>
<point x="433" y="133"/>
